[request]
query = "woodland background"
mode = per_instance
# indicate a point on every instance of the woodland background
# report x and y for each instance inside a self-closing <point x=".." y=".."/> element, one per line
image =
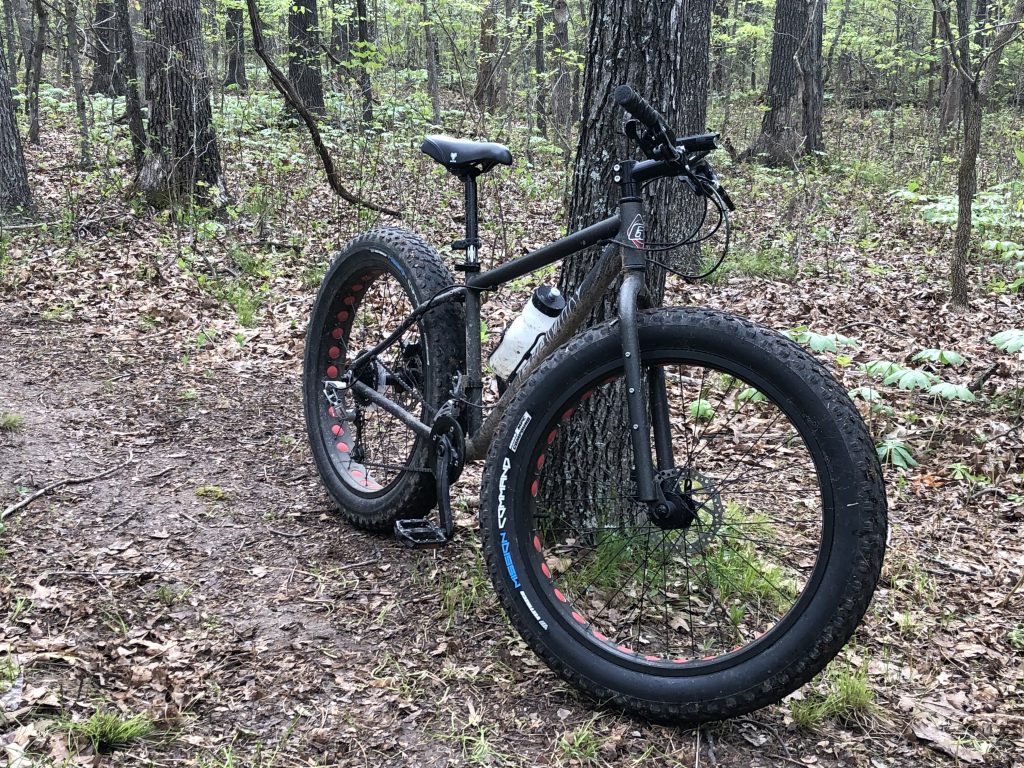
<point x="166" y="218"/>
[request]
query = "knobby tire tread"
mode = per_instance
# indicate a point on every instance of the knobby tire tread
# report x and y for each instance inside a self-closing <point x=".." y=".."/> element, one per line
<point x="871" y="536"/>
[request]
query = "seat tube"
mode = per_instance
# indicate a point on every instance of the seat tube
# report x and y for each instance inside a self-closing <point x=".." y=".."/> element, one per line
<point x="634" y="264"/>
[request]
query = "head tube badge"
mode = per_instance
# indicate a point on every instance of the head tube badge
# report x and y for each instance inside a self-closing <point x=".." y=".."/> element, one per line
<point x="636" y="233"/>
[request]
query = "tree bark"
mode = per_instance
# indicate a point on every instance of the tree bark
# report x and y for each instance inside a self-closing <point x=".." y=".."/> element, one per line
<point x="430" y="44"/>
<point x="36" y="70"/>
<point x="11" y="42"/>
<point x="661" y="49"/>
<point x="71" y="19"/>
<point x="561" y="78"/>
<point x="539" y="74"/>
<point x="183" y="160"/>
<point x="641" y="44"/>
<point x="304" y="54"/>
<point x="104" y="28"/>
<point x="132" y="102"/>
<point x="15" y="197"/>
<point x="235" y="33"/>
<point x="485" y="95"/>
<point x="366" y="50"/>
<point x="977" y="79"/>
<point x="792" y="125"/>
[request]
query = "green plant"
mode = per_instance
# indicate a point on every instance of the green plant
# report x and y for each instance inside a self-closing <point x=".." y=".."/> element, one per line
<point x="1011" y="340"/>
<point x="844" y="694"/>
<point x="1015" y="637"/>
<point x="580" y="746"/>
<point x="8" y="673"/>
<point x="11" y="422"/>
<point x="821" y="342"/>
<point x="896" y="453"/>
<point x="108" y="731"/>
<point x="211" y="492"/>
<point x="941" y="356"/>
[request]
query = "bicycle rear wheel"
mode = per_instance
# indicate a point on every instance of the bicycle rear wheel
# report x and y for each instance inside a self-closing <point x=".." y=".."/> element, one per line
<point x="372" y="464"/>
<point x="769" y="554"/>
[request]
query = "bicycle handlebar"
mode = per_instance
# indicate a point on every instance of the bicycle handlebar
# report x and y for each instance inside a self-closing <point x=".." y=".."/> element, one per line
<point x="637" y="106"/>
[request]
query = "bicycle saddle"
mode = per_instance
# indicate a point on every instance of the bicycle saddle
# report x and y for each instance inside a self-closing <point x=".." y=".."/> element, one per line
<point x="460" y="156"/>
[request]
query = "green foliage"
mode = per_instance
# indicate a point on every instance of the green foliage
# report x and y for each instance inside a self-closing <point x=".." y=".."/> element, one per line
<point x="895" y="453"/>
<point x="819" y="342"/>
<point x="941" y="356"/>
<point x="108" y="731"/>
<point x="11" y="422"/>
<point x="845" y="694"/>
<point x="1011" y="340"/>
<point x="949" y="391"/>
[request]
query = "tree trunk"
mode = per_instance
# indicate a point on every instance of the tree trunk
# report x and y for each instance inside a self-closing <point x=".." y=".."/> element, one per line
<point x="304" y="55"/>
<point x="183" y="160"/>
<point x="485" y="95"/>
<point x="430" y="44"/>
<point x="235" y="33"/>
<point x="15" y="198"/>
<point x="639" y="44"/>
<point x="129" y="66"/>
<point x="561" y="78"/>
<point x="104" y="27"/>
<point x="813" y="91"/>
<point x="366" y="50"/>
<point x="661" y="49"/>
<point x="783" y="136"/>
<point x="36" y="71"/>
<point x="11" y="42"/>
<point x="71" y="19"/>
<point x="539" y="78"/>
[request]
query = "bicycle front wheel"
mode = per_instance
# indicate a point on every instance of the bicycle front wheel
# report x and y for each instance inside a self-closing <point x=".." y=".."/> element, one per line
<point x="767" y="558"/>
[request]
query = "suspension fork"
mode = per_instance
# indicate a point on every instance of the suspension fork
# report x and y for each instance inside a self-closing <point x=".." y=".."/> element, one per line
<point x="634" y="265"/>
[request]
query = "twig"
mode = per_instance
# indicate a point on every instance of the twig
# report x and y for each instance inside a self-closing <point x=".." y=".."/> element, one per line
<point x="1010" y="594"/>
<point x="285" y="88"/>
<point x="60" y="484"/>
<point x="872" y="325"/>
<point x="286" y="534"/>
<point x="98" y="574"/>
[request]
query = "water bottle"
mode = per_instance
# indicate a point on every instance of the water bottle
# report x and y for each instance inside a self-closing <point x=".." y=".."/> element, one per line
<point x="520" y="338"/>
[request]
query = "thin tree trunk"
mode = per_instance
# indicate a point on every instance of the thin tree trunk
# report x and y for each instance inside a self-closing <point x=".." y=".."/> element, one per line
<point x="104" y="28"/>
<point x="366" y="50"/>
<point x="561" y="78"/>
<point x="812" y="95"/>
<point x="71" y="19"/>
<point x="183" y="159"/>
<point x="132" y="102"/>
<point x="12" y="51"/>
<point x="15" y="197"/>
<point x="539" y="74"/>
<point x="235" y="33"/>
<point x="485" y="95"/>
<point x="304" y="54"/>
<point x="430" y="43"/>
<point x="36" y="72"/>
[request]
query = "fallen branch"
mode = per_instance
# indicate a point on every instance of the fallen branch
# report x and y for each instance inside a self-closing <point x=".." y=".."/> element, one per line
<point x="285" y="88"/>
<point x="60" y="484"/>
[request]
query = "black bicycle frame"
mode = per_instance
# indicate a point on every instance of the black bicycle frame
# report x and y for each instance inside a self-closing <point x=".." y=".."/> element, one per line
<point x="624" y="230"/>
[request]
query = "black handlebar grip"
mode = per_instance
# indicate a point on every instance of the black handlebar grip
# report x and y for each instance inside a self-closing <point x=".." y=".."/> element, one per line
<point x="638" y="107"/>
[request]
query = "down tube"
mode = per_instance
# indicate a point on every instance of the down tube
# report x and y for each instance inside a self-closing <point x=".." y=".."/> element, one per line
<point x="586" y="297"/>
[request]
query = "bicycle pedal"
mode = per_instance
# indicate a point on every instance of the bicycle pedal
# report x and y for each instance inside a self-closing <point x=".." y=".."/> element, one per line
<point x="420" y="534"/>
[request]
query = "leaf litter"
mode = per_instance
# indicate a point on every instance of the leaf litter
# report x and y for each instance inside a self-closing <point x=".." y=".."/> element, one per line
<point x="250" y="623"/>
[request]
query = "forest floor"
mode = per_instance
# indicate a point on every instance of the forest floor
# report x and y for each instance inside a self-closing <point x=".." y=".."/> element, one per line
<point x="199" y="576"/>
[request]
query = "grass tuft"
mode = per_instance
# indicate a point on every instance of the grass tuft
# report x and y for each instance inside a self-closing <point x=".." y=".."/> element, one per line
<point x="11" y="422"/>
<point x="107" y="731"/>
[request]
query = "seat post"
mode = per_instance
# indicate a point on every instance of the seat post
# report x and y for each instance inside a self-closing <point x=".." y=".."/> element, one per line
<point x="471" y="243"/>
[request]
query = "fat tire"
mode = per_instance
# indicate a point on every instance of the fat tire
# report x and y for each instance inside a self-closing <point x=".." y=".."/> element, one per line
<point x="775" y="666"/>
<point x="401" y="256"/>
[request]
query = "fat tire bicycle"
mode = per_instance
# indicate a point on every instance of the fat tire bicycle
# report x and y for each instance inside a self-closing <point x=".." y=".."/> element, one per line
<point x="723" y="537"/>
